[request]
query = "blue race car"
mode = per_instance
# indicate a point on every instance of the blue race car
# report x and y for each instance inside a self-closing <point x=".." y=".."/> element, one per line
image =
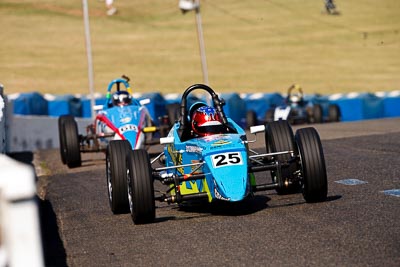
<point x="206" y="156"/>
<point x="298" y="110"/>
<point x="120" y="118"/>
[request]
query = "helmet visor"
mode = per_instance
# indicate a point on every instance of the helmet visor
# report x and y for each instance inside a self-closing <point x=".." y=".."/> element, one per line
<point x="208" y="130"/>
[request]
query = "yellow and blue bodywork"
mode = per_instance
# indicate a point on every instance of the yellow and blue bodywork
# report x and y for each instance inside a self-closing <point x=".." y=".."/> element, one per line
<point x="225" y="165"/>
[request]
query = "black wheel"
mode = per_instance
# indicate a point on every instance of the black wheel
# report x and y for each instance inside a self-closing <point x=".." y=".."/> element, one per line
<point x="173" y="112"/>
<point x="140" y="187"/>
<point x="317" y="113"/>
<point x="334" y="113"/>
<point x="312" y="165"/>
<point x="116" y="175"/>
<point x="270" y="115"/>
<point x="70" y="145"/>
<point x="251" y="118"/>
<point x="62" y="139"/>
<point x="279" y="137"/>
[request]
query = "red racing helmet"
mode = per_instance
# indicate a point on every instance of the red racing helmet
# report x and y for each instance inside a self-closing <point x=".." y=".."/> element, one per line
<point x="206" y="121"/>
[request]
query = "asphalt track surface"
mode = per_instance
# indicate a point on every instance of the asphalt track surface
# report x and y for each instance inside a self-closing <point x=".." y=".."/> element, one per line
<point x="359" y="225"/>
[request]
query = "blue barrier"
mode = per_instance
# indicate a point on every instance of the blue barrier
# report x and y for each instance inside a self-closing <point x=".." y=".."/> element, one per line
<point x="235" y="108"/>
<point x="156" y="106"/>
<point x="391" y="104"/>
<point x="64" y="104"/>
<point x="355" y="106"/>
<point x="172" y="98"/>
<point x="321" y="100"/>
<point x="260" y="103"/>
<point x="30" y="104"/>
<point x="99" y="99"/>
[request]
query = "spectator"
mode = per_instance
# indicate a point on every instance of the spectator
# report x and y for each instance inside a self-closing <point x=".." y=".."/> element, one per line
<point x="111" y="10"/>
<point x="330" y="7"/>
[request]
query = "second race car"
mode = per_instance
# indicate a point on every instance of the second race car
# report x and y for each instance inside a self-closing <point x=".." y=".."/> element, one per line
<point x="297" y="110"/>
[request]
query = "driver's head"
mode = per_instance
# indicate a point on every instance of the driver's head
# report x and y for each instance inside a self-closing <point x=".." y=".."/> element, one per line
<point x="206" y="121"/>
<point x="295" y="94"/>
<point x="121" y="98"/>
<point x="295" y="98"/>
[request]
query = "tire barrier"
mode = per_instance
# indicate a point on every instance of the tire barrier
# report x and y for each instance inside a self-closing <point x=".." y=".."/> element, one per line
<point x="235" y="108"/>
<point x="359" y="106"/>
<point x="391" y="104"/>
<point x="99" y="99"/>
<point x="353" y="106"/>
<point x="63" y="104"/>
<point x="260" y="103"/>
<point x="156" y="105"/>
<point x="29" y="103"/>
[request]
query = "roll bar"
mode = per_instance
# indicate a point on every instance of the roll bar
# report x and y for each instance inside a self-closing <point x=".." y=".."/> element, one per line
<point x="218" y="103"/>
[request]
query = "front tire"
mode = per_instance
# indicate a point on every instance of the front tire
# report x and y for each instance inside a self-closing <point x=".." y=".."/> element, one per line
<point x="279" y="137"/>
<point x="140" y="187"/>
<point x="312" y="163"/>
<point x="334" y="113"/>
<point x="116" y="175"/>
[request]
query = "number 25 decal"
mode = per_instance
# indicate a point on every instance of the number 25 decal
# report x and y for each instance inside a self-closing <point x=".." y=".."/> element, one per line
<point x="226" y="159"/>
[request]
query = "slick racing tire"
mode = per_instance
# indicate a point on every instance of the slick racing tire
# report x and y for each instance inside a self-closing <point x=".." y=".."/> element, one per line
<point x="251" y="118"/>
<point x="62" y="139"/>
<point x="140" y="187"/>
<point x="279" y="137"/>
<point x="116" y="175"/>
<point x="312" y="165"/>
<point x="69" y="142"/>
<point x="334" y="113"/>
<point x="317" y="114"/>
<point x="269" y="116"/>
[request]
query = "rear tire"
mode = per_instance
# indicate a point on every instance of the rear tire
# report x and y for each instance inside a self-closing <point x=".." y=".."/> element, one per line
<point x="312" y="165"/>
<point x="70" y="142"/>
<point x="173" y="113"/>
<point x="334" y="113"/>
<point x="116" y="175"/>
<point x="251" y="118"/>
<point x="140" y="187"/>
<point x="279" y="137"/>
<point x="317" y="113"/>
<point x="61" y="135"/>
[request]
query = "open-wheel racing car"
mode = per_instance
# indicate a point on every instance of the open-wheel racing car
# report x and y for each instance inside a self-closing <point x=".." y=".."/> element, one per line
<point x="120" y="118"/>
<point x="206" y="156"/>
<point x="297" y="110"/>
